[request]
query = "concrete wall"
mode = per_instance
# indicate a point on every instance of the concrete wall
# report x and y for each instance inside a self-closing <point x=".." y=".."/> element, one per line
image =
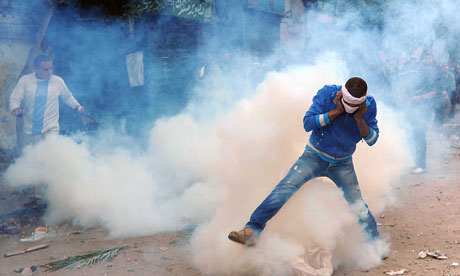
<point x="18" y="25"/>
<point x="13" y="55"/>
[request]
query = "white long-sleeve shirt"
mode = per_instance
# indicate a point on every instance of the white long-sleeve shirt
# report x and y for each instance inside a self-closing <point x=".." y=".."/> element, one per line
<point x="40" y="101"/>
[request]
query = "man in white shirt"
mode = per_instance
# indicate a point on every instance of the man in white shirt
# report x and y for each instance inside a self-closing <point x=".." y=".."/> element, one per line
<point x="36" y="99"/>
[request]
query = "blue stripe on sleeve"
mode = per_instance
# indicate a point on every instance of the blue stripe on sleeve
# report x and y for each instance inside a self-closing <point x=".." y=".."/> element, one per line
<point x="372" y="137"/>
<point x="326" y="118"/>
<point x="317" y="120"/>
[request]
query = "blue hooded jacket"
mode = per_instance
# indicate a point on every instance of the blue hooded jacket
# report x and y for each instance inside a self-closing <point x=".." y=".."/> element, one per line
<point x="335" y="141"/>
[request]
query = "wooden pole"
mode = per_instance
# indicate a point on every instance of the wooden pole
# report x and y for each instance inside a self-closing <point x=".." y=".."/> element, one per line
<point x="28" y="67"/>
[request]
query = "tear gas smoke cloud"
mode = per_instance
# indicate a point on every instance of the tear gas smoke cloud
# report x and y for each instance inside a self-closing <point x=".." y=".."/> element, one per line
<point x="214" y="176"/>
<point x="213" y="172"/>
<point x="317" y="216"/>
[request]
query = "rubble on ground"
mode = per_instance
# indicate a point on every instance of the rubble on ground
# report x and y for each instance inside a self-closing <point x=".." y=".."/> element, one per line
<point x="434" y="254"/>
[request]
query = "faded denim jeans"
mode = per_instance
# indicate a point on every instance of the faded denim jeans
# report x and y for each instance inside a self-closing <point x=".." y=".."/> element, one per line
<point x="307" y="167"/>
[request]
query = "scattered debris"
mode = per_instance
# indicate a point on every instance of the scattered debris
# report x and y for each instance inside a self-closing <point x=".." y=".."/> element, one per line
<point x="422" y="255"/>
<point x="12" y="230"/>
<point x="79" y="261"/>
<point x="316" y="261"/>
<point x="39" y="234"/>
<point x="30" y="249"/>
<point x="27" y="272"/>
<point x="399" y="272"/>
<point x="386" y="224"/>
<point x="13" y="220"/>
<point x="33" y="268"/>
<point x="436" y="255"/>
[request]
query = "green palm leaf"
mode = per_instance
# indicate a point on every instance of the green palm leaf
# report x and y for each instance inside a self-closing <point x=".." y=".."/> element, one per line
<point x="79" y="261"/>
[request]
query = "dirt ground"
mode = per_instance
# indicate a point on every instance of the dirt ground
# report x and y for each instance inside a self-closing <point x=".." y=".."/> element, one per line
<point x="424" y="217"/>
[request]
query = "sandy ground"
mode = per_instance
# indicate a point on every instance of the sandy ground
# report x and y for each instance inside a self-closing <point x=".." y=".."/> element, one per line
<point x="424" y="217"/>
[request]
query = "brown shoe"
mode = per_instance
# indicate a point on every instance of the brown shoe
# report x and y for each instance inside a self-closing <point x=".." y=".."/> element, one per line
<point x="245" y="236"/>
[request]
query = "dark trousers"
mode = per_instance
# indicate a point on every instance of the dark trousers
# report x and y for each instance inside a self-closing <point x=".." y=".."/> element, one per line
<point x="419" y="139"/>
<point x="453" y="97"/>
<point x="419" y="120"/>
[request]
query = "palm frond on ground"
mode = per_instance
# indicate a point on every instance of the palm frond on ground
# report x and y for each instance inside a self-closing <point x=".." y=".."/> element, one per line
<point x="79" y="261"/>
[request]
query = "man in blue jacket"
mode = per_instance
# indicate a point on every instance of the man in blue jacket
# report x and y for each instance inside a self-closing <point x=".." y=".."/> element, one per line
<point x="339" y="118"/>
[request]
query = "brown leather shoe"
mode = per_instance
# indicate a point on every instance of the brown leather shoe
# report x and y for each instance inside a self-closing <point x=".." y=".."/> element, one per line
<point x="245" y="236"/>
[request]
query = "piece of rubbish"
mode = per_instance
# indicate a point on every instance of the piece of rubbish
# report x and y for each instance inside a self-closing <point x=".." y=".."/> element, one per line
<point x="436" y="255"/>
<point x="30" y="249"/>
<point x="3" y="227"/>
<point x="39" y="234"/>
<point x="79" y="261"/>
<point x="163" y="248"/>
<point x="386" y="224"/>
<point x="41" y="229"/>
<point x="27" y="272"/>
<point x="315" y="261"/>
<point x="422" y="255"/>
<point x="12" y="230"/>
<point x="455" y="264"/>
<point x="33" y="268"/>
<point x="399" y="272"/>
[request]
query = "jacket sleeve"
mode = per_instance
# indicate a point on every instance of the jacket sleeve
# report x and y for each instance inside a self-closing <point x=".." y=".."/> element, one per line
<point x="18" y="94"/>
<point x="372" y="123"/>
<point x="317" y="115"/>
<point x="67" y="96"/>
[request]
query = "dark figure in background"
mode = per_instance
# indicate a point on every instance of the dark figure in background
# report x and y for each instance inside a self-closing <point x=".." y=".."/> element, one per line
<point x="418" y="87"/>
<point x="391" y="72"/>
<point x="443" y="104"/>
<point x="256" y="71"/>
<point x="339" y="118"/>
<point x="407" y="78"/>
<point x="455" y="96"/>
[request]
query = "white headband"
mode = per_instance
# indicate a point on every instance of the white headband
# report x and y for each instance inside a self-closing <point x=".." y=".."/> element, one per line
<point x="350" y="99"/>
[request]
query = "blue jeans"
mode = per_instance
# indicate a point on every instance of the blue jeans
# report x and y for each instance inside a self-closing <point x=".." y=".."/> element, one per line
<point x="307" y="167"/>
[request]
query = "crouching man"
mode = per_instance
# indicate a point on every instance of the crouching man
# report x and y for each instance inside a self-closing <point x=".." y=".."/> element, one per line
<point x="339" y="118"/>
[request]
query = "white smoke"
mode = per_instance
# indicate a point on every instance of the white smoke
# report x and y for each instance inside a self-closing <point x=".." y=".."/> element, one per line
<point x="317" y="215"/>
<point x="214" y="175"/>
<point x="213" y="171"/>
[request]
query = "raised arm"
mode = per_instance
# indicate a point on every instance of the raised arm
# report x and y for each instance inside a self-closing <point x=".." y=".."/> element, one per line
<point x="319" y="115"/>
<point x="367" y="128"/>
